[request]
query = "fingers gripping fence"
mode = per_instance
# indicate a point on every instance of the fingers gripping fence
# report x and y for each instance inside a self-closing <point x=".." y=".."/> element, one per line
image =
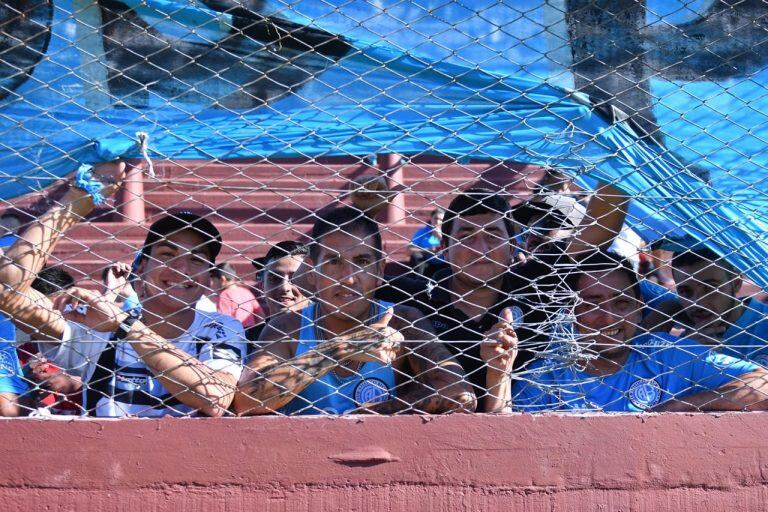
<point x="345" y="207"/>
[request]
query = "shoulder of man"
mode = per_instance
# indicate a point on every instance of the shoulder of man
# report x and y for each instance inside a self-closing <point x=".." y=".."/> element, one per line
<point x="404" y="289"/>
<point x="406" y="316"/>
<point x="217" y="326"/>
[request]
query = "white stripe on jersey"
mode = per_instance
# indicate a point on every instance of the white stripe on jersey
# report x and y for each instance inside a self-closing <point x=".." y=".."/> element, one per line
<point x="215" y="339"/>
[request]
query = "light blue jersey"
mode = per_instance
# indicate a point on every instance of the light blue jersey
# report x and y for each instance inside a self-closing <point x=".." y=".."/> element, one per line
<point x="747" y="338"/>
<point x="656" y="370"/>
<point x="331" y="394"/>
<point x="11" y="380"/>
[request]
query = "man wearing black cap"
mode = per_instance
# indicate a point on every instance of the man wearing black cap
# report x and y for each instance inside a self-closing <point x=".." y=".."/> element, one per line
<point x="171" y="361"/>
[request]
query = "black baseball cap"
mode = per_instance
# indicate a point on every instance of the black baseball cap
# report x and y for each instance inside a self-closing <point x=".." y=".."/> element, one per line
<point x="180" y="221"/>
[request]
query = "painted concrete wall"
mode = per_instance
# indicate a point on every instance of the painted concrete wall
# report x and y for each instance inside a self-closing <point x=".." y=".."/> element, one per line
<point x="459" y="462"/>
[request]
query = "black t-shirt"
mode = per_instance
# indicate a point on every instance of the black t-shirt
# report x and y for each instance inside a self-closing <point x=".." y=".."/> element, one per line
<point x="253" y="332"/>
<point x="526" y="288"/>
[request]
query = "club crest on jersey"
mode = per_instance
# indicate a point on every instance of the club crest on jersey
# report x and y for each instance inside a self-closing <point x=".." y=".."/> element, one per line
<point x="371" y="390"/>
<point x="644" y="393"/>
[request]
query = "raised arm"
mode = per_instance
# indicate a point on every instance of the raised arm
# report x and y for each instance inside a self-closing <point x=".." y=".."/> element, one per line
<point x="31" y="311"/>
<point x="606" y="212"/>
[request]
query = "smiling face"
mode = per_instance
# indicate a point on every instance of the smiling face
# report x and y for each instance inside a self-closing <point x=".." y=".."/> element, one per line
<point x="346" y="273"/>
<point x="478" y="248"/>
<point x="176" y="273"/>
<point x="281" y="291"/>
<point x="708" y="295"/>
<point x="608" y="313"/>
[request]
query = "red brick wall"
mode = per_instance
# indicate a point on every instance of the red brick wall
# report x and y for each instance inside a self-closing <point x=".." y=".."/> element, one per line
<point x="459" y="462"/>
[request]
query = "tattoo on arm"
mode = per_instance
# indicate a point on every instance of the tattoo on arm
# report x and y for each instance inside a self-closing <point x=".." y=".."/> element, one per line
<point x="275" y="385"/>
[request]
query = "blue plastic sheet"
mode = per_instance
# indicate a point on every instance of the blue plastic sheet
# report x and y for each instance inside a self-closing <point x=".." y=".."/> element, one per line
<point x="207" y="85"/>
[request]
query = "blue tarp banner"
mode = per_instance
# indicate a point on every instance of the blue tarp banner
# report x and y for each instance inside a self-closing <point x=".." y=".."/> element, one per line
<point x="223" y="79"/>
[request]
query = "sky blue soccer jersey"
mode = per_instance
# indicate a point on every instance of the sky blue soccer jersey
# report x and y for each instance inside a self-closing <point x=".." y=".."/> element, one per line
<point x="660" y="368"/>
<point x="332" y="394"/>
<point x="747" y="338"/>
<point x="11" y="380"/>
<point x="654" y="294"/>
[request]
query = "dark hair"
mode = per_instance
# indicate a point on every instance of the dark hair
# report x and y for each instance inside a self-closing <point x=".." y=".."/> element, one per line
<point x="345" y="220"/>
<point x="224" y="270"/>
<point x="602" y="261"/>
<point x="477" y="201"/>
<point x="702" y="255"/>
<point x="10" y="215"/>
<point x="285" y="248"/>
<point x="51" y="280"/>
<point x="176" y="222"/>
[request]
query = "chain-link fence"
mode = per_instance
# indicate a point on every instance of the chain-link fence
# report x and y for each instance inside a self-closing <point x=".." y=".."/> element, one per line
<point x="261" y="207"/>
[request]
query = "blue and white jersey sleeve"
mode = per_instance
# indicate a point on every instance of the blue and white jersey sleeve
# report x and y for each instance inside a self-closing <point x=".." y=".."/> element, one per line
<point x="654" y="294"/>
<point x="11" y="376"/>
<point x="222" y="344"/>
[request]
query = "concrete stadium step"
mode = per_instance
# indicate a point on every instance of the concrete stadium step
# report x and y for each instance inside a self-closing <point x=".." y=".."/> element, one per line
<point x="446" y="175"/>
<point x="84" y="263"/>
<point x="269" y="206"/>
<point x="293" y="186"/>
<point x="306" y="169"/>
<point x="85" y="233"/>
<point x="435" y="182"/>
<point x="123" y="249"/>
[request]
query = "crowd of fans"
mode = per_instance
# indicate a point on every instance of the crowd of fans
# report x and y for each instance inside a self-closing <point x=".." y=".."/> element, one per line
<point x="540" y="307"/>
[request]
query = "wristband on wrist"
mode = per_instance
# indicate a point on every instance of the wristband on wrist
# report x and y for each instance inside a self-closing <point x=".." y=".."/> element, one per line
<point x="85" y="181"/>
<point x="125" y="327"/>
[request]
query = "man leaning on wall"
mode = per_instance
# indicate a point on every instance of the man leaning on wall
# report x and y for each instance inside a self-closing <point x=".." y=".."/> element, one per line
<point x="172" y="360"/>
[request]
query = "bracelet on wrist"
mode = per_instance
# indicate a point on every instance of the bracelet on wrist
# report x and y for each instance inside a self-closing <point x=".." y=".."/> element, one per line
<point x="85" y="181"/>
<point x="125" y="326"/>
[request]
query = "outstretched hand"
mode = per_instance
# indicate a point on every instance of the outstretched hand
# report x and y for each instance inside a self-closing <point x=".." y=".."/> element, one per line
<point x="111" y="174"/>
<point x="117" y="278"/>
<point x="371" y="194"/>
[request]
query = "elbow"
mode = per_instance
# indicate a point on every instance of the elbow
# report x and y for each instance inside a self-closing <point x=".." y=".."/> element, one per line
<point x="215" y="405"/>
<point x="212" y="412"/>
<point x="10" y="406"/>
<point x="11" y="275"/>
<point x="216" y="408"/>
